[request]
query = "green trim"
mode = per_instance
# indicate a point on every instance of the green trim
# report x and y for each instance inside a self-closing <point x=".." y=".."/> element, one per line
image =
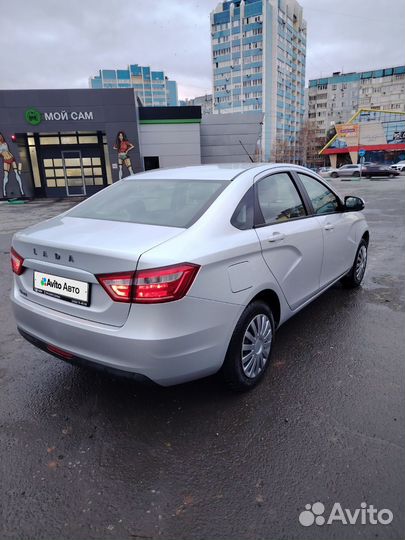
<point x="173" y="121"/>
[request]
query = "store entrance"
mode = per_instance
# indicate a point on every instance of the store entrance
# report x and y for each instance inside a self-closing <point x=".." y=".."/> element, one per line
<point x="74" y="175"/>
<point x="71" y="165"/>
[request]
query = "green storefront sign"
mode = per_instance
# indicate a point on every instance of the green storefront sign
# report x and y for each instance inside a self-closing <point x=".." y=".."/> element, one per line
<point x="33" y="116"/>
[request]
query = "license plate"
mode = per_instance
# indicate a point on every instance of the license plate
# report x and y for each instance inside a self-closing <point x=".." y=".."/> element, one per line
<point x="70" y="290"/>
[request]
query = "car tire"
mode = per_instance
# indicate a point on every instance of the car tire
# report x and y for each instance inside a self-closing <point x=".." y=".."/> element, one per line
<point x="391" y="175"/>
<point x="356" y="174"/>
<point x="249" y="351"/>
<point x="334" y="175"/>
<point x="355" y="275"/>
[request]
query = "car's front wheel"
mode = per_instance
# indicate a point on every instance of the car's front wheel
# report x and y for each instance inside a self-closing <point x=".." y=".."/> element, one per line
<point x="334" y="175"/>
<point x="249" y="350"/>
<point x="355" y="276"/>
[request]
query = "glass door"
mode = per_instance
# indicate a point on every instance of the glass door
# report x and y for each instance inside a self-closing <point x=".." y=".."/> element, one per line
<point x="73" y="169"/>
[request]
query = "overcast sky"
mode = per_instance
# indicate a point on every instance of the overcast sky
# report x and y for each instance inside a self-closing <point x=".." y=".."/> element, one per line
<point x="60" y="43"/>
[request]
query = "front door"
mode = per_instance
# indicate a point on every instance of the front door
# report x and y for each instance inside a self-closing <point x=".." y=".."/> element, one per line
<point x="74" y="175"/>
<point x="337" y="227"/>
<point x="291" y="241"/>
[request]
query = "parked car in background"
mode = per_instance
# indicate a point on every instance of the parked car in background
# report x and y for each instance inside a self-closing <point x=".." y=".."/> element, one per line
<point x="400" y="166"/>
<point x="175" y="274"/>
<point x="375" y="169"/>
<point x="325" y="171"/>
<point x="345" y="171"/>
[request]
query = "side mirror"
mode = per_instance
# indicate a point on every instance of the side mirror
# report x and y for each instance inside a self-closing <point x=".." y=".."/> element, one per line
<point x="354" y="204"/>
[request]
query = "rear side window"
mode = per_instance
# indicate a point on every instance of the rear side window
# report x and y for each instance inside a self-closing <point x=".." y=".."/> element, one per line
<point x="170" y="203"/>
<point x="323" y="199"/>
<point x="278" y="200"/>
<point x="243" y="216"/>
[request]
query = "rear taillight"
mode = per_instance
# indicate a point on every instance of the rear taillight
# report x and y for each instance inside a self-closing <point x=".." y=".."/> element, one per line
<point x="118" y="286"/>
<point x="163" y="284"/>
<point x="150" y="286"/>
<point x="16" y="262"/>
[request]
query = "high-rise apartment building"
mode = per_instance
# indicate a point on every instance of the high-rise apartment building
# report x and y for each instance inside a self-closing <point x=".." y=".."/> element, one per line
<point x="335" y="99"/>
<point x="153" y="87"/>
<point x="205" y="102"/>
<point x="258" y="62"/>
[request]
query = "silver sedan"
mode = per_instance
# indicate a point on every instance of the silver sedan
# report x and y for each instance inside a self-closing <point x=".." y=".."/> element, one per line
<point x="173" y="275"/>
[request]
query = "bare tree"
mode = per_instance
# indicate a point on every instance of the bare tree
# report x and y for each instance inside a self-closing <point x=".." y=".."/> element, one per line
<point x="310" y="143"/>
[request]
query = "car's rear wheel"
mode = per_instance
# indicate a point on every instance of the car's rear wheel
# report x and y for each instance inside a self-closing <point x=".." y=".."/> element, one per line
<point x="334" y="175"/>
<point x="356" y="274"/>
<point x="356" y="174"/>
<point x="249" y="350"/>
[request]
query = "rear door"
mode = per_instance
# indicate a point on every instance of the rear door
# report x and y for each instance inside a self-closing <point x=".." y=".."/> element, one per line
<point x="291" y="240"/>
<point x="337" y="228"/>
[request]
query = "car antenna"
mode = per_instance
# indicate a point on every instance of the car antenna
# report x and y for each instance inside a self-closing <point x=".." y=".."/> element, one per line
<point x="250" y="157"/>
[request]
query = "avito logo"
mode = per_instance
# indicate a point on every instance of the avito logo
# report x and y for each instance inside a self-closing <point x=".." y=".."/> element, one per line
<point x="366" y="514"/>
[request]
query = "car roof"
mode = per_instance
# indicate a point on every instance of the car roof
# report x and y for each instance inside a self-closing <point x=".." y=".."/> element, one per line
<point x="222" y="171"/>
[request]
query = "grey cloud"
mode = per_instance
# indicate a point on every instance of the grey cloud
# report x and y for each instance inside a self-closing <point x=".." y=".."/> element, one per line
<point x="59" y="44"/>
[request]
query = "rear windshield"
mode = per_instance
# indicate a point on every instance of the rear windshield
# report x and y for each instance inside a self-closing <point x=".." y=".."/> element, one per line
<point x="171" y="203"/>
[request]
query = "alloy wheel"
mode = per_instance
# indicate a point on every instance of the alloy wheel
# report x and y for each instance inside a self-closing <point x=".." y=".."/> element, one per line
<point x="361" y="263"/>
<point x="256" y="345"/>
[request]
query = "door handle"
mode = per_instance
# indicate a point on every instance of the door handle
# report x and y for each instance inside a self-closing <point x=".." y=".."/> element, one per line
<point x="276" y="237"/>
<point x="329" y="227"/>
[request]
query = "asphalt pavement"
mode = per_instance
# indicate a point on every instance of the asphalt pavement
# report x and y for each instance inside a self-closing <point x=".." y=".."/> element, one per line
<point x="85" y="456"/>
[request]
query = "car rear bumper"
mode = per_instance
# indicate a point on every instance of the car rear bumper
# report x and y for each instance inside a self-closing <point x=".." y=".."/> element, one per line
<point x="166" y="343"/>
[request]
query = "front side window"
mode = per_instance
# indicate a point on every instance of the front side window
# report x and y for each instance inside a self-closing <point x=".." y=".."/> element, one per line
<point x="324" y="201"/>
<point x="166" y="202"/>
<point x="278" y="200"/>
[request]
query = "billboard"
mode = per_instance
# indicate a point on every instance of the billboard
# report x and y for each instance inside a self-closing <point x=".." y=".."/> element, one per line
<point x="369" y="128"/>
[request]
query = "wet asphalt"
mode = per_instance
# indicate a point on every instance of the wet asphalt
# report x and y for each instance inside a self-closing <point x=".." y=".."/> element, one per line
<point x="86" y="456"/>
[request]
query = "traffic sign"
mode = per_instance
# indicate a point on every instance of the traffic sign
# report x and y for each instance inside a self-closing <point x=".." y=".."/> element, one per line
<point x="362" y="152"/>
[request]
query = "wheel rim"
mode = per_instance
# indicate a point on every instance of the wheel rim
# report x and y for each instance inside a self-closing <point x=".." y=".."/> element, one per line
<point x="256" y="345"/>
<point x="361" y="262"/>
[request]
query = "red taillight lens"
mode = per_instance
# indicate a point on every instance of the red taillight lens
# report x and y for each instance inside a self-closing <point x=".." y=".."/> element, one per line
<point x="118" y="286"/>
<point x="163" y="284"/>
<point x="16" y="262"/>
<point x="150" y="286"/>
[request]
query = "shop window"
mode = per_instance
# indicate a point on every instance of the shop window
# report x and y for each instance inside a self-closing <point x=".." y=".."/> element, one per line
<point x="31" y="141"/>
<point x="57" y="163"/>
<point x="97" y="171"/>
<point x="59" y="173"/>
<point x="48" y="163"/>
<point x="35" y="168"/>
<point x="88" y="171"/>
<point x="49" y="140"/>
<point x="96" y="161"/>
<point x="49" y="173"/>
<point x="60" y="182"/>
<point x="151" y="162"/>
<point x="88" y="181"/>
<point x="99" y="181"/>
<point x="72" y="162"/>
<point x="88" y="139"/>
<point x="70" y="139"/>
<point x="86" y="161"/>
<point x="73" y="172"/>
<point x="51" y="182"/>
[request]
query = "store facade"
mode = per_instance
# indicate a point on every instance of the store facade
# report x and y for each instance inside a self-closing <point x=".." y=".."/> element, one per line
<point x="66" y="143"/>
<point x="73" y="143"/>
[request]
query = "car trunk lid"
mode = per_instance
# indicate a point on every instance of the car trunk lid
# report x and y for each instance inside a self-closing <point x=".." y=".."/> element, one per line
<point x="79" y="249"/>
